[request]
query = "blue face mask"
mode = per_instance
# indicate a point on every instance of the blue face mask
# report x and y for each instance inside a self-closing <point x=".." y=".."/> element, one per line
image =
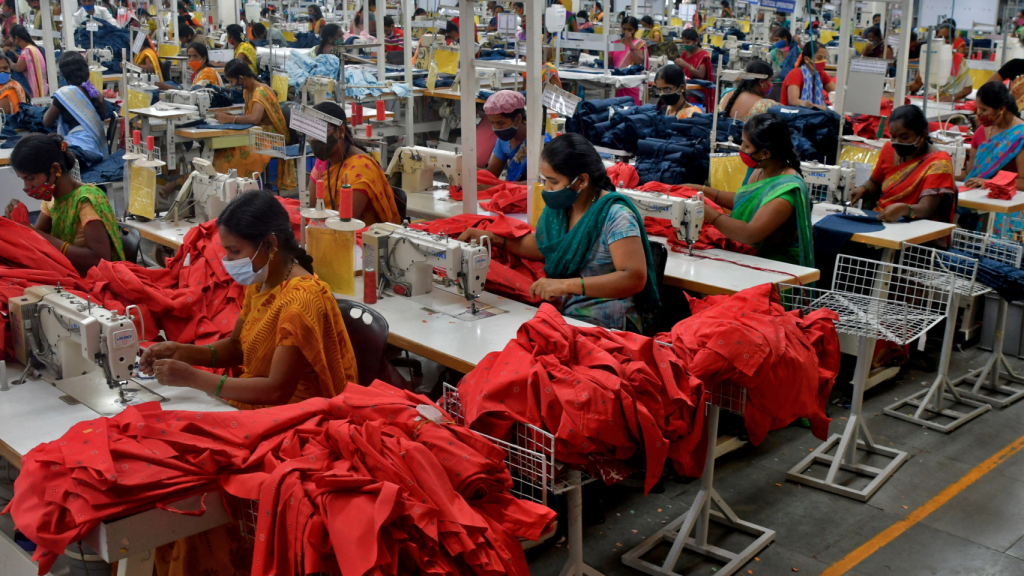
<point x="560" y="199"/>
<point x="780" y="44"/>
<point x="89" y="9"/>
<point x="241" y="270"/>
<point x="5" y="77"/>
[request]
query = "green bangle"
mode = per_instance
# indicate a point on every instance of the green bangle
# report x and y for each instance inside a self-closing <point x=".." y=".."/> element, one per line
<point x="216" y="393"/>
<point x="583" y="287"/>
<point x="214" y="352"/>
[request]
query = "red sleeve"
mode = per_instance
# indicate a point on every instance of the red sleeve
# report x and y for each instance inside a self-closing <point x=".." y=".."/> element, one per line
<point x="979" y="138"/>
<point x="884" y="164"/>
<point x="825" y="78"/>
<point x="794" y="78"/>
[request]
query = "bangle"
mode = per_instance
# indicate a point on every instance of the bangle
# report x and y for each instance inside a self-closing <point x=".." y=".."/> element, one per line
<point x="216" y="393"/>
<point x="583" y="287"/>
<point x="911" y="215"/>
<point x="64" y="248"/>
<point x="214" y="353"/>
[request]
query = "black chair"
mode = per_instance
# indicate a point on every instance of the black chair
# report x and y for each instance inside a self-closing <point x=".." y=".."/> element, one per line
<point x="130" y="239"/>
<point x="165" y="68"/>
<point x="368" y="332"/>
<point x="113" y="130"/>
<point x="286" y="111"/>
<point x="674" y="305"/>
<point x="402" y="201"/>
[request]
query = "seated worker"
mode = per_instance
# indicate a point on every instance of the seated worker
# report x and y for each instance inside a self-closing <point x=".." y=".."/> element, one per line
<point x="808" y="84"/>
<point x="592" y="240"/>
<point x="772" y="210"/>
<point x="89" y="10"/>
<point x="75" y="218"/>
<point x="340" y="161"/>
<point x="506" y="110"/>
<point x="750" y="97"/>
<point x="650" y="31"/>
<point x="199" y="62"/>
<point x="876" y="20"/>
<point x="30" y="63"/>
<point x="394" y="42"/>
<point x="696" y="62"/>
<point x="956" y="89"/>
<point x="598" y="12"/>
<point x="79" y="106"/>
<point x="912" y="178"/>
<point x="331" y="37"/>
<point x="492" y="25"/>
<point x="188" y="36"/>
<point x="634" y="52"/>
<point x="1013" y="71"/>
<point x="372" y="24"/>
<point x="316" y="19"/>
<point x="785" y="52"/>
<point x="262" y="36"/>
<point x="584" y="21"/>
<point x="947" y="31"/>
<point x="12" y="94"/>
<point x="149" y="60"/>
<point x="781" y="21"/>
<point x="875" y="46"/>
<point x="244" y="51"/>
<point x="261" y="109"/>
<point x="289" y="344"/>
<point x="726" y="11"/>
<point x="670" y="85"/>
<point x="451" y="32"/>
<point x="183" y="13"/>
<point x="999" y="142"/>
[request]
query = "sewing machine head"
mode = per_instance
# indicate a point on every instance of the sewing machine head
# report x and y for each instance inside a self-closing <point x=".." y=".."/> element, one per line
<point x="825" y="183"/>
<point x="319" y="86"/>
<point x="211" y="191"/>
<point x="199" y="100"/>
<point x="426" y="45"/>
<point x="418" y="163"/>
<point x="685" y="214"/>
<point x="406" y="260"/>
<point x="952" y="143"/>
<point x="97" y="56"/>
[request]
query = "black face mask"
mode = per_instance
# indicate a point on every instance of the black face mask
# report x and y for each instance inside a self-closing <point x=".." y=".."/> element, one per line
<point x="321" y="150"/>
<point x="906" y="150"/>
<point x="670" y="99"/>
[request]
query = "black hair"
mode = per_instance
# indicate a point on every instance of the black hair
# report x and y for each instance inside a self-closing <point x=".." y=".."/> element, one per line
<point x="327" y="34"/>
<point x="202" y="50"/>
<point x="336" y="111"/>
<point x="36" y="153"/>
<point x="912" y="118"/>
<point x="235" y="32"/>
<point x="373" y="3"/>
<point x="256" y="214"/>
<point x="358" y="20"/>
<point x="571" y="155"/>
<point x="186" y="32"/>
<point x="419" y="11"/>
<point x="784" y="34"/>
<point x="265" y="12"/>
<point x="10" y="4"/>
<point x="690" y="34"/>
<point x="631" y="21"/>
<point x="647" y="20"/>
<point x="21" y="33"/>
<point x="874" y="30"/>
<point x="809" y="50"/>
<point x="876" y="16"/>
<point x="519" y="5"/>
<point x="389" y="21"/>
<point x="915" y="48"/>
<point x="770" y="132"/>
<point x="582" y="15"/>
<point x="498" y="7"/>
<point x="317" y="13"/>
<point x="598" y="4"/>
<point x="671" y="74"/>
<point x="451" y="27"/>
<point x="725" y="3"/>
<point x="996" y="95"/>
<point x="75" y="70"/>
<point x="238" y="68"/>
<point x="258" y="30"/>
<point x="755" y="66"/>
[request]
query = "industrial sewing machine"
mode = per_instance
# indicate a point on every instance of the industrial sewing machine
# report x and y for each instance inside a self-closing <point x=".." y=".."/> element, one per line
<point x="952" y="143"/>
<point x="418" y="163"/>
<point x="209" y="191"/>
<point x="195" y="102"/>
<point x="686" y="214"/>
<point x="83" y="349"/>
<point x="425" y="49"/>
<point x="826" y="183"/>
<point x="318" y="86"/>
<point x="97" y="56"/>
<point x="406" y="260"/>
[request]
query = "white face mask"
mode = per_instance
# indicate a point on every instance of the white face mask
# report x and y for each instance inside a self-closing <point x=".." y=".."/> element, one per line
<point x="241" y="270"/>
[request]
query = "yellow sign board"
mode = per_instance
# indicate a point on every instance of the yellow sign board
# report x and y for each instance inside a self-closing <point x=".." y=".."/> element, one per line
<point x="142" y="201"/>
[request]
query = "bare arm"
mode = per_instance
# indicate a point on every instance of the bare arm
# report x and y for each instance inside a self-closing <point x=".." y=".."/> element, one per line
<point x="228" y="352"/>
<point x="51" y="115"/>
<point x="768" y="219"/>
<point x="794" y="98"/>
<point x="275" y="389"/>
<point x="525" y="246"/>
<point x="495" y="166"/>
<point x="721" y="197"/>
<point x="19" y="65"/>
<point x="255" y="117"/>
<point x="629" y="277"/>
<point x="97" y="246"/>
<point x="923" y="210"/>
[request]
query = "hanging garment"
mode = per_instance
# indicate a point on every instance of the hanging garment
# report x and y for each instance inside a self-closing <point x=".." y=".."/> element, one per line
<point x="373" y="481"/>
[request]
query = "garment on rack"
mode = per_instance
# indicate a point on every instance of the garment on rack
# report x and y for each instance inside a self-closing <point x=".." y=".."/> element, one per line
<point x="300" y="66"/>
<point x="815" y="133"/>
<point x="374" y="481"/>
<point x="305" y="40"/>
<point x="107" y="35"/>
<point x="785" y="364"/>
<point x="110" y="169"/>
<point x="615" y="401"/>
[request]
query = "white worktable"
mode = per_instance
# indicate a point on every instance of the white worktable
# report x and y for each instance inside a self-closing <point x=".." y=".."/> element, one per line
<point x="163" y="233"/>
<point x="978" y="200"/>
<point x="706" y="276"/>
<point x="438" y="204"/>
<point x="894" y="234"/>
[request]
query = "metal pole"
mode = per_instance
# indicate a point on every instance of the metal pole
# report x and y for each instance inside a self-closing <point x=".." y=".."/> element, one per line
<point x="67" y="10"/>
<point x="410" y="104"/>
<point x="843" y="72"/>
<point x="903" y="56"/>
<point x="467" y="71"/>
<point x="927" y="70"/>
<point x="51" y="62"/>
<point x="534" y="96"/>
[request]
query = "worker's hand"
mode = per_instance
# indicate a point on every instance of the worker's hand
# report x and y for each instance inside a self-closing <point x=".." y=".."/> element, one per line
<point x="857" y="194"/>
<point x="894" y="212"/>
<point x="10" y="207"/>
<point x="474" y="234"/>
<point x="974" y="183"/>
<point x="225" y="118"/>
<point x="158" y="351"/>
<point x="551" y="288"/>
<point x="173" y="373"/>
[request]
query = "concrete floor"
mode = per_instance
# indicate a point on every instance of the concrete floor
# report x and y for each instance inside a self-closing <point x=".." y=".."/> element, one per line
<point x="980" y="531"/>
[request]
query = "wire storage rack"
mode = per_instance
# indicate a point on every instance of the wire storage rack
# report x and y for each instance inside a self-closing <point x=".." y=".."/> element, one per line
<point x="530" y="457"/>
<point x="941" y="407"/>
<point x="267" y="143"/>
<point x="697" y="520"/>
<point x="874" y="300"/>
<point x="994" y="383"/>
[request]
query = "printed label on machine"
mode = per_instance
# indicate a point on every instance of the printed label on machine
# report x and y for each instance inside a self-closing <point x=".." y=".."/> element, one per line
<point x="480" y="261"/>
<point x="124" y="338"/>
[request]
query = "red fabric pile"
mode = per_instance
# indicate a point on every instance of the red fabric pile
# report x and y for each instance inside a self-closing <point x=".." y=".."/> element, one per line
<point x="867" y="126"/>
<point x="623" y="175"/>
<point x="506" y="198"/>
<point x="709" y="237"/>
<point x="616" y="402"/>
<point x="786" y="364"/>
<point x="375" y="481"/>
<point x="1003" y="186"/>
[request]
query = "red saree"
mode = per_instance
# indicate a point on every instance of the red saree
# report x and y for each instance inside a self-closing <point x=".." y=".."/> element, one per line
<point x="908" y="182"/>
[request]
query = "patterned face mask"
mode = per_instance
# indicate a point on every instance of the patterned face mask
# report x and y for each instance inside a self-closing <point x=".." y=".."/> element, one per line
<point x="42" y="192"/>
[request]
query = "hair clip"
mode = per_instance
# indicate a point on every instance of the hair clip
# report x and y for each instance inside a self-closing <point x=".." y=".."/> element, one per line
<point x="64" y="146"/>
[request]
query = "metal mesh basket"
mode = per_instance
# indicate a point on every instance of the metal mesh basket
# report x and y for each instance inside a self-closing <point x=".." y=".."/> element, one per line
<point x="987" y="246"/>
<point x="963" y="269"/>
<point x="728" y="397"/>
<point x="248" y="515"/>
<point x="267" y="143"/>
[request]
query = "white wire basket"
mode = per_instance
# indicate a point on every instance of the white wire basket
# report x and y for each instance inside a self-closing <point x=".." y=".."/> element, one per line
<point x="728" y="397"/>
<point x="986" y="246"/>
<point x="267" y="143"/>
<point x="963" y="269"/>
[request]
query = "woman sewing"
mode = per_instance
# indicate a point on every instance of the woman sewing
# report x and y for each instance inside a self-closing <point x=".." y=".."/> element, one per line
<point x="912" y="178"/>
<point x="750" y="98"/>
<point x="80" y="108"/>
<point x="339" y="161"/>
<point x="726" y="10"/>
<point x="261" y="109"/>
<point x="244" y="50"/>
<point x="289" y="341"/>
<point x="75" y="218"/>
<point x="634" y="53"/>
<point x="199" y="62"/>
<point x="331" y="37"/>
<point x="149" y="60"/>
<point x="957" y="88"/>
<point x="808" y="84"/>
<point x="651" y="30"/>
<point x="12" y="94"/>
<point x="506" y="110"/>
<point x="30" y="63"/>
<point x="316" y="19"/>
<point x="785" y="52"/>
<point x="875" y="46"/>
<point x="696" y="62"/>
<point x="592" y="240"/>
<point x="998" y="143"/>
<point x="670" y="86"/>
<point x="772" y="210"/>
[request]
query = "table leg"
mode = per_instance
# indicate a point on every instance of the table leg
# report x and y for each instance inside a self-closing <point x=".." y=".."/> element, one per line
<point x="990" y="222"/>
<point x="139" y="565"/>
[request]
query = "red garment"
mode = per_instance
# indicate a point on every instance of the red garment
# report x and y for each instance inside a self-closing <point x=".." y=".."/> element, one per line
<point x="623" y="175"/>
<point x="359" y="484"/>
<point x="510" y="197"/>
<point x="867" y="126"/>
<point x="610" y="398"/>
<point x="796" y="78"/>
<point x="506" y="198"/>
<point x="710" y="237"/>
<point x="20" y="215"/>
<point x="1003" y="186"/>
<point x="786" y="363"/>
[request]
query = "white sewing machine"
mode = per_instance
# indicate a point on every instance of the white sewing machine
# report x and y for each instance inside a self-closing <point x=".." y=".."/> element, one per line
<point x="97" y="56"/>
<point x="686" y="214"/>
<point x="318" y="86"/>
<point x="952" y="143"/>
<point x="826" y="183"/>
<point x="424" y="50"/>
<point x="406" y="259"/>
<point x="83" y="349"/>
<point x="210" y="192"/>
<point x="191" y="100"/>
<point x="418" y="163"/>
